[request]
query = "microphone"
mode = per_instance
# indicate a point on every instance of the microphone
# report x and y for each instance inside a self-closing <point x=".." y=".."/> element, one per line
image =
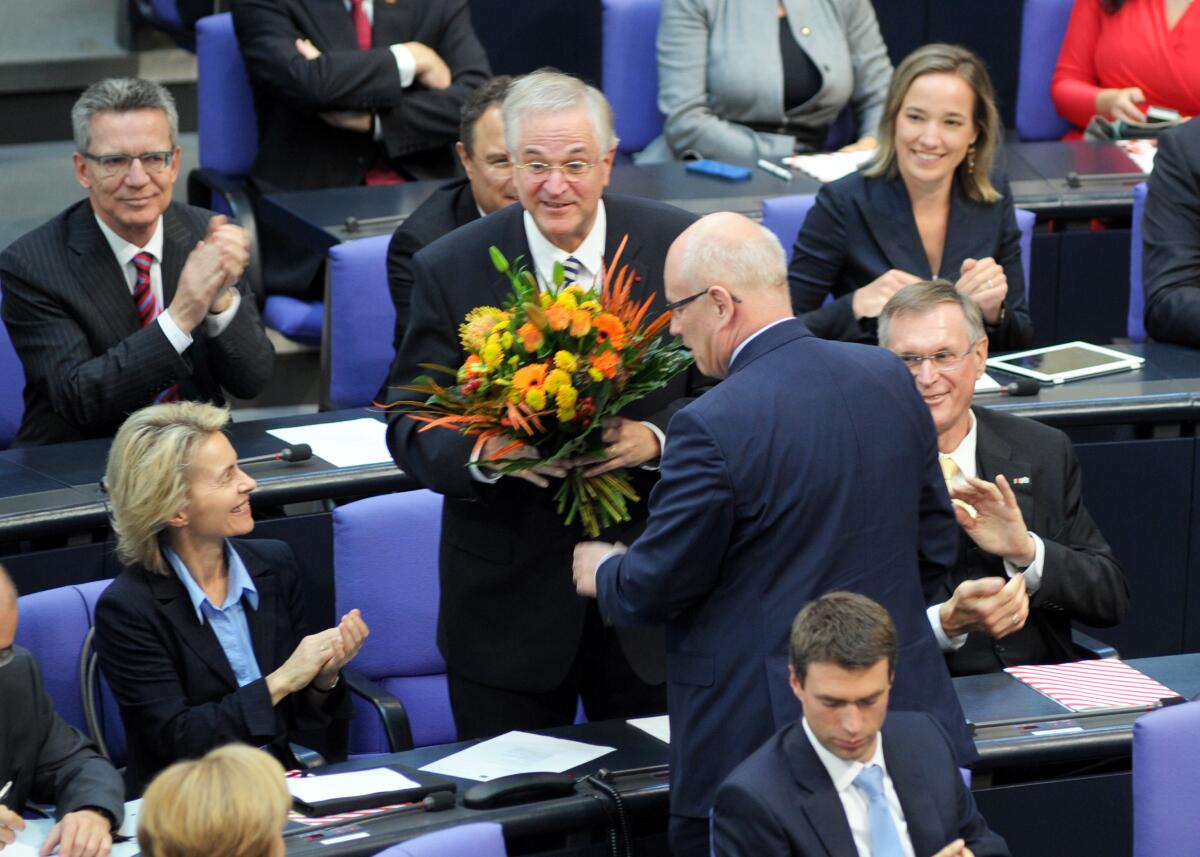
<point x="1023" y="387"/>
<point x="299" y="452"/>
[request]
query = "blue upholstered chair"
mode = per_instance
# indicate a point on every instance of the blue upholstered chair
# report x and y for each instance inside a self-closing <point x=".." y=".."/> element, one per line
<point x="53" y="625"/>
<point x="1135" y="322"/>
<point x="1043" y="25"/>
<point x="101" y="711"/>
<point x="12" y="387"/>
<point x="164" y="15"/>
<point x="629" y="70"/>
<point x="228" y="131"/>
<point x="479" y="839"/>
<point x="1166" y="781"/>
<point x="358" y="350"/>
<point x="385" y="562"/>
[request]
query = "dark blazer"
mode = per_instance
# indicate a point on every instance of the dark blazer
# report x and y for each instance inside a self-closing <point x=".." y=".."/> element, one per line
<point x="88" y="360"/>
<point x="860" y="228"/>
<point x="47" y="760"/>
<point x="811" y="468"/>
<point x="509" y="616"/>
<point x="1171" y="238"/>
<point x="1081" y="579"/>
<point x="780" y="802"/>
<point x="178" y="695"/>
<point x="298" y="150"/>
<point x="448" y="208"/>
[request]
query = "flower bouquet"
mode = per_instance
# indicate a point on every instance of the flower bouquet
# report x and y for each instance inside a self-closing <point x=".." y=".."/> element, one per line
<point x="545" y="370"/>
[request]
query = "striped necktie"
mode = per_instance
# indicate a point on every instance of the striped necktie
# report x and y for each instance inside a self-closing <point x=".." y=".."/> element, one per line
<point x="571" y="268"/>
<point x="147" y="310"/>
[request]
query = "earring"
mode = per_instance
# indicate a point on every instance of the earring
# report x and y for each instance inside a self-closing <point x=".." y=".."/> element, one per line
<point x="971" y="159"/>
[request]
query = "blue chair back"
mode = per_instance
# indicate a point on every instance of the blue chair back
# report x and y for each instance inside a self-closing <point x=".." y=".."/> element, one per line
<point x="1043" y="25"/>
<point x="1135" y="321"/>
<point x="12" y="389"/>
<point x="629" y="69"/>
<point x="108" y="714"/>
<point x="168" y="11"/>
<point x="53" y="625"/>
<point x="362" y="322"/>
<point x="1166" y="781"/>
<point x="385" y="562"/>
<point x="1025" y="222"/>
<point x="479" y="839"/>
<point x="225" y="115"/>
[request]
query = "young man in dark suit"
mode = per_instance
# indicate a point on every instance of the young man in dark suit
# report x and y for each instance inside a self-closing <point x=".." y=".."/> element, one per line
<point x="521" y="647"/>
<point x="488" y="187"/>
<point x="45" y="760"/>
<point x="1171" y="235"/>
<point x="127" y="298"/>
<point x="812" y="467"/>
<point x="849" y="777"/>
<point x="1030" y="557"/>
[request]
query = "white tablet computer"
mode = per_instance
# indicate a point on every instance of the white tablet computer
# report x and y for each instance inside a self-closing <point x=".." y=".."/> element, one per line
<point x="1070" y="361"/>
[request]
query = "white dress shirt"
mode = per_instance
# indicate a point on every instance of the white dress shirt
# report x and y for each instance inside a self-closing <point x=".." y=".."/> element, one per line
<point x="855" y="802"/>
<point x="214" y="323"/>
<point x="964" y="457"/>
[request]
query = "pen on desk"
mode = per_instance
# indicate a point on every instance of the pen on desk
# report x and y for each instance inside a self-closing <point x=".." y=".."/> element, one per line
<point x="775" y="170"/>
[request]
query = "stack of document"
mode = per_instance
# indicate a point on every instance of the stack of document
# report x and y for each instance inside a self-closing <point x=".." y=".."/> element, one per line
<point x="830" y="166"/>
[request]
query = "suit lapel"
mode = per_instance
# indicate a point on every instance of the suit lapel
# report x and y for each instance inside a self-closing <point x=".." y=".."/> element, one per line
<point x="334" y="29"/>
<point x="176" y="248"/>
<point x="515" y="247"/>
<point x="262" y="620"/>
<point x="819" y="801"/>
<point x="177" y="607"/>
<point x="393" y="21"/>
<point x="916" y="798"/>
<point x="887" y="211"/>
<point x="99" y="276"/>
<point x="994" y="456"/>
<point x="966" y="222"/>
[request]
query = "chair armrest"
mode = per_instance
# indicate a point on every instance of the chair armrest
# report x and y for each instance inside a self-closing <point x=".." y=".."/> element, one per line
<point x="201" y="185"/>
<point x="1090" y="648"/>
<point x="390" y="709"/>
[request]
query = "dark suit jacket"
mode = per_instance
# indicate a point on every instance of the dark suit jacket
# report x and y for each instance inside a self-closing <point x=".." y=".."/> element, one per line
<point x="859" y="228"/>
<point x="509" y="614"/>
<point x="780" y="802"/>
<point x="178" y="695"/>
<point x="88" y="360"/>
<point x="47" y="760"/>
<point x="1081" y="579"/>
<point x="1171" y="238"/>
<point x="811" y="468"/>
<point x="296" y="148"/>
<point x="446" y="209"/>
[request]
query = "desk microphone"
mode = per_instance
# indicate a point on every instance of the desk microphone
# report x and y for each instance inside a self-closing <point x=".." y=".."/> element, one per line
<point x="1023" y="387"/>
<point x="299" y="452"/>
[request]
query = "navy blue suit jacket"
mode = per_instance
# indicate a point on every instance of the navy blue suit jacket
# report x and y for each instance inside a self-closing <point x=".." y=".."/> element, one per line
<point x="781" y="802"/>
<point x="811" y="468"/>
<point x="860" y="228"/>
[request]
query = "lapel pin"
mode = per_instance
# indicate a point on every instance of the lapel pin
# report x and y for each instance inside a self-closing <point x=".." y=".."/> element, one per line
<point x="1020" y="480"/>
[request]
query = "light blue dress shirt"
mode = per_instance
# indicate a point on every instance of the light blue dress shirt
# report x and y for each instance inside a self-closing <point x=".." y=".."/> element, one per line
<point x="228" y="620"/>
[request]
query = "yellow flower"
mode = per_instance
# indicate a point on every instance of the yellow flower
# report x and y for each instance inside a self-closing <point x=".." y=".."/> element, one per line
<point x="506" y="340"/>
<point x="566" y="397"/>
<point x="581" y="322"/>
<point x="492" y="353"/>
<point x="535" y="397"/>
<point x="594" y="306"/>
<point x="557" y="378"/>
<point x="565" y="415"/>
<point x="596" y="374"/>
<point x="479" y="323"/>
<point x="567" y="300"/>
<point x="545" y="300"/>
<point x="565" y="360"/>
<point x="515" y="396"/>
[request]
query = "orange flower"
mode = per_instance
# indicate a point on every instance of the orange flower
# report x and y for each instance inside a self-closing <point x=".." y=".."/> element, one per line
<point x="581" y="322"/>
<point x="606" y="363"/>
<point x="531" y="336"/>
<point x="611" y="328"/>
<point x="559" y="317"/>
<point x="529" y="376"/>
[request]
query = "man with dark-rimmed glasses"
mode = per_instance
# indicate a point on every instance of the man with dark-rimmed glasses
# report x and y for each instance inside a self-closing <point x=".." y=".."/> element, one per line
<point x="1030" y="557"/>
<point x="127" y="298"/>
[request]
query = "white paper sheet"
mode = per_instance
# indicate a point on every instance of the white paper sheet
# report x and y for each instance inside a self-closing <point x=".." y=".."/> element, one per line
<point x="831" y="166"/>
<point x="516" y="753"/>
<point x="987" y="384"/>
<point x="349" y="443"/>
<point x="352" y="784"/>
<point x="29" y="841"/>
<point x="659" y="727"/>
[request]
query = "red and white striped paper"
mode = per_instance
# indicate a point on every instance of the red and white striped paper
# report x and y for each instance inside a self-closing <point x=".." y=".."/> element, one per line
<point x="1086" y="685"/>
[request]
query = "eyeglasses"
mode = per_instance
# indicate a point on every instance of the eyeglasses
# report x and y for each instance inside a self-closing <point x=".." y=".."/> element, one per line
<point x="682" y="302"/>
<point x="120" y="163"/>
<point x="571" y="170"/>
<point x="942" y="361"/>
<point x="6" y="656"/>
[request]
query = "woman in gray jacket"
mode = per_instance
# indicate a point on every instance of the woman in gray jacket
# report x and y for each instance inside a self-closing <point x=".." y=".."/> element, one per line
<point x="747" y="79"/>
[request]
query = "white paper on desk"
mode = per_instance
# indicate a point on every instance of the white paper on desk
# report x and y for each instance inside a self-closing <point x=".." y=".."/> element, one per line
<point x="29" y="841"/>
<point x="1141" y="152"/>
<point x="830" y="166"/>
<point x="659" y="727"/>
<point x="516" y="753"/>
<point x="349" y="443"/>
<point x="987" y="384"/>
<point x="313" y="790"/>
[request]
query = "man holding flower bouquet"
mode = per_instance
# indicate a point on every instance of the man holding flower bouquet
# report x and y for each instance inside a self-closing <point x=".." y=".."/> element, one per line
<point x="520" y="646"/>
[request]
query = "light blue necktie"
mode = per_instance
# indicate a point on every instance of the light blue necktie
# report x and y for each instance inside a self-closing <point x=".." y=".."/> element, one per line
<point x="885" y="839"/>
<point x="571" y="269"/>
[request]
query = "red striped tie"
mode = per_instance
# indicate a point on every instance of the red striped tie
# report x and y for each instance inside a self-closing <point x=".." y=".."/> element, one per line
<point x="147" y="310"/>
<point x="381" y="171"/>
<point x="362" y="26"/>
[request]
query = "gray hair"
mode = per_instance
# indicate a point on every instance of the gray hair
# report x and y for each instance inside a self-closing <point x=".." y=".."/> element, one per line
<point x="924" y="297"/>
<point x="121" y="95"/>
<point x="708" y="259"/>
<point x="147" y="476"/>
<point x="550" y="91"/>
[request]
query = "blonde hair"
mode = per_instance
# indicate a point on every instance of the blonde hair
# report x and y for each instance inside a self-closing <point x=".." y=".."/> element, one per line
<point x="945" y="59"/>
<point x="147" y="475"/>
<point x="231" y="803"/>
